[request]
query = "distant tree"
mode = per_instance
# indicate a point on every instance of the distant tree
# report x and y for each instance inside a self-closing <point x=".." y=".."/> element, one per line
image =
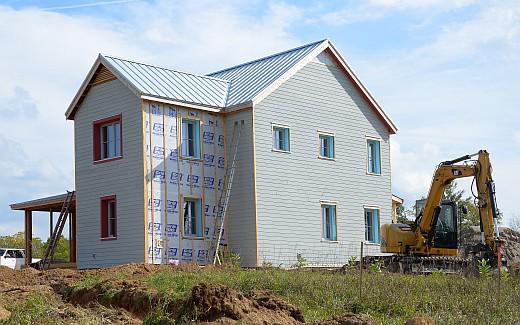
<point x="62" y="249"/>
<point x="405" y="214"/>
<point x="18" y="241"/>
<point x="472" y="218"/>
<point x="514" y="222"/>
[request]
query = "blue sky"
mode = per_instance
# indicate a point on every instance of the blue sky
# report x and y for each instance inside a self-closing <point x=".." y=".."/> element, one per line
<point x="447" y="72"/>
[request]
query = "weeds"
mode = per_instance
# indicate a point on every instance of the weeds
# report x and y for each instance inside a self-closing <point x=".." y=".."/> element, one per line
<point x="484" y="269"/>
<point x="89" y="282"/>
<point x="35" y="309"/>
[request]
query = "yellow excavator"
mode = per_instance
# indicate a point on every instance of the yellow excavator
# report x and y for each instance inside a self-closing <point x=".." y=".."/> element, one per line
<point x="433" y="236"/>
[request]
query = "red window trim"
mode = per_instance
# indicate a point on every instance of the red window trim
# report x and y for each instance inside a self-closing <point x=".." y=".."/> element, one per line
<point x="96" y="138"/>
<point x="103" y="213"/>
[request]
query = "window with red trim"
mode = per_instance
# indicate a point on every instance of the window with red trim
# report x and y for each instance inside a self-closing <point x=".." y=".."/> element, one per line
<point x="108" y="217"/>
<point x="107" y="139"/>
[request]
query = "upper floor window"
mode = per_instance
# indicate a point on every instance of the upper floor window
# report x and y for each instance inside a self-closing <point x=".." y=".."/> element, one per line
<point x="281" y="140"/>
<point x="107" y="142"/>
<point x="326" y="146"/>
<point x="372" y="225"/>
<point x="374" y="156"/>
<point x="108" y="217"/>
<point x="192" y="217"/>
<point x="191" y="138"/>
<point x="328" y="214"/>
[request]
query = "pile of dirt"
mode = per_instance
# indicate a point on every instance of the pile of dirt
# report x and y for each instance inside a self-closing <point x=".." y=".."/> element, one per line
<point x="511" y="247"/>
<point x="215" y="303"/>
<point x="420" y="320"/>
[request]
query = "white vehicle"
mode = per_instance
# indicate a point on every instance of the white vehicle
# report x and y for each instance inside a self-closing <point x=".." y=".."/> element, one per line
<point x="14" y="258"/>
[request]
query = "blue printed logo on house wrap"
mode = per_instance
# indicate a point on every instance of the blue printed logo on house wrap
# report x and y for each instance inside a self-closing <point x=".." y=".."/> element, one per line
<point x="209" y="160"/>
<point x="209" y="137"/>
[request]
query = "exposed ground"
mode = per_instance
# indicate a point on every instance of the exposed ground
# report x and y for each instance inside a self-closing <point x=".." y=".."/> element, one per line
<point x="135" y="293"/>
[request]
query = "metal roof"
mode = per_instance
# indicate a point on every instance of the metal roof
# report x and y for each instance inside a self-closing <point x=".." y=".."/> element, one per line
<point x="166" y="83"/>
<point x="55" y="201"/>
<point x="251" y="78"/>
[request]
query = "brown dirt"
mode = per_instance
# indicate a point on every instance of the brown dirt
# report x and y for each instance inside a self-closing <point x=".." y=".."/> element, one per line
<point x="348" y="319"/>
<point x="420" y="320"/>
<point x="218" y="304"/>
<point x="122" y="297"/>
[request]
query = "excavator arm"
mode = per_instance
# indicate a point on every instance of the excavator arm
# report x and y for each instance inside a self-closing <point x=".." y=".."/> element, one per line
<point x="445" y="173"/>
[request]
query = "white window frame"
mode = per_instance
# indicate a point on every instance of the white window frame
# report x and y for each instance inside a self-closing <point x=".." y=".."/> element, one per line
<point x="200" y="216"/>
<point x="280" y="126"/>
<point x="114" y="144"/>
<point x="197" y="144"/>
<point x="322" y="221"/>
<point x="327" y="134"/>
<point x="368" y="208"/>
<point x="379" y="140"/>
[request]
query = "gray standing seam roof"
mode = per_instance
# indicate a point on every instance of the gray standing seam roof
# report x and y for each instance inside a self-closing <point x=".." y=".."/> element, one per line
<point x="228" y="87"/>
<point x="251" y="78"/>
<point x="171" y="84"/>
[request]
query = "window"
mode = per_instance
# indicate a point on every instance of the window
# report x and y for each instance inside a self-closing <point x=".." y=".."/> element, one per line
<point x="108" y="217"/>
<point x="372" y="225"/>
<point x="191" y="138"/>
<point x="328" y="214"/>
<point x="281" y="138"/>
<point x="107" y="142"/>
<point x="374" y="156"/>
<point x="326" y="146"/>
<point x="192" y="217"/>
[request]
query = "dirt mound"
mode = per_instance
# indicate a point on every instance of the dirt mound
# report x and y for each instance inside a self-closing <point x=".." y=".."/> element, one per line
<point x="511" y="248"/>
<point x="420" y="320"/>
<point x="219" y="303"/>
<point x="348" y="319"/>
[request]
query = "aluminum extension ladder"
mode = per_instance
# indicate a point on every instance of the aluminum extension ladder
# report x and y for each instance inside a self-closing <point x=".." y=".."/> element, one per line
<point x="216" y="246"/>
<point x="58" y="229"/>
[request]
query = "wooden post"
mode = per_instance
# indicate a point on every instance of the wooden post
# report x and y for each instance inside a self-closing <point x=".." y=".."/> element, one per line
<point x="28" y="237"/>
<point x="72" y="236"/>
<point x="51" y="223"/>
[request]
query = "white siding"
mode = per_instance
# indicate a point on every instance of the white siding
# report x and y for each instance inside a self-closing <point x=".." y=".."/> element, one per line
<point x="291" y="185"/>
<point x="123" y="178"/>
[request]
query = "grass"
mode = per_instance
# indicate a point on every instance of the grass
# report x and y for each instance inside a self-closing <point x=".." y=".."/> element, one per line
<point x="35" y="309"/>
<point x="90" y="281"/>
<point x="388" y="298"/>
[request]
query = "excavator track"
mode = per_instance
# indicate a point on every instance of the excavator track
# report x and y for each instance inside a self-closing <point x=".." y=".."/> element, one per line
<point x="423" y="264"/>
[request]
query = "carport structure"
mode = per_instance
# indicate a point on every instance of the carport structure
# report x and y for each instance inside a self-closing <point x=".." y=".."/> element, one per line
<point x="49" y="204"/>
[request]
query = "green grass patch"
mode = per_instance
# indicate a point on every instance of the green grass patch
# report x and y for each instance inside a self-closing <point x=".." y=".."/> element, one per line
<point x="36" y="309"/>
<point x="90" y="281"/>
<point x="388" y="298"/>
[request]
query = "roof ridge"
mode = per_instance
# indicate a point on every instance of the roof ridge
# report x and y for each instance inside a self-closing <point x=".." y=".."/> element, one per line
<point x="267" y="57"/>
<point x="158" y="67"/>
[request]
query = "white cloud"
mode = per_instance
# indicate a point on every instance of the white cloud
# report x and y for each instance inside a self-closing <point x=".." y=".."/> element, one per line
<point x="516" y="137"/>
<point x="49" y="54"/>
<point x="415" y="4"/>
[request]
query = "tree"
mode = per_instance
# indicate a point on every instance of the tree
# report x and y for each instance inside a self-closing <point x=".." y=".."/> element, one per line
<point x="62" y="249"/>
<point x="18" y="241"/>
<point x="404" y="214"/>
<point x="514" y="222"/>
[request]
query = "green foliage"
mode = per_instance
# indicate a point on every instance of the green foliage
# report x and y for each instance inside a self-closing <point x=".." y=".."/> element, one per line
<point x="405" y="214"/>
<point x="352" y="263"/>
<point x="235" y="259"/>
<point x="62" y="249"/>
<point x="484" y="269"/>
<point x="505" y="273"/>
<point x="438" y="274"/>
<point x="88" y="282"/>
<point x="18" y="241"/>
<point x="300" y="261"/>
<point x="388" y="298"/>
<point x="35" y="308"/>
<point x="376" y="267"/>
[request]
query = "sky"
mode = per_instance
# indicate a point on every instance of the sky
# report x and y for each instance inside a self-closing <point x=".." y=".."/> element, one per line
<point x="447" y="73"/>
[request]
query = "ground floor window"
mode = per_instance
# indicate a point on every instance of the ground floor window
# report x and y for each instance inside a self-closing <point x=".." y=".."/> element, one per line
<point x="192" y="217"/>
<point x="328" y="214"/>
<point x="372" y="225"/>
<point x="108" y="217"/>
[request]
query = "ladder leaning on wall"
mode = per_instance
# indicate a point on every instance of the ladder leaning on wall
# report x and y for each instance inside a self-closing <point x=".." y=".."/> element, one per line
<point x="217" y="250"/>
<point x="58" y="229"/>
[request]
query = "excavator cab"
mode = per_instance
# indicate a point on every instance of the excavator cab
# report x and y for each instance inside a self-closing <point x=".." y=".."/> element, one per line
<point x="445" y="235"/>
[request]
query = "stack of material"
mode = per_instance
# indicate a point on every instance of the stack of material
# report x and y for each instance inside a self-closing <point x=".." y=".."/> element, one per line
<point x="510" y="249"/>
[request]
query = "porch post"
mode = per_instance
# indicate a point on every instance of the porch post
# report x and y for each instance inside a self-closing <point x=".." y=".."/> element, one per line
<point x="72" y="236"/>
<point x="28" y="237"/>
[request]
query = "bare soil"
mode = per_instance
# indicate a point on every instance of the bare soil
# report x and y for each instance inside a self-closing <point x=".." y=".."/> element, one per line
<point x="121" y="297"/>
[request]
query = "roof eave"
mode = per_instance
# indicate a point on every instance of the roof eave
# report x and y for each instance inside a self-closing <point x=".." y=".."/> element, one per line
<point x="170" y="101"/>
